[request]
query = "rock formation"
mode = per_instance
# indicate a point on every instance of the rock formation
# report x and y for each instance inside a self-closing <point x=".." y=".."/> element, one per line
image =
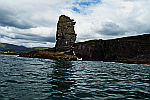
<point x="65" y="35"/>
<point x="135" y="49"/>
<point x="63" y="49"/>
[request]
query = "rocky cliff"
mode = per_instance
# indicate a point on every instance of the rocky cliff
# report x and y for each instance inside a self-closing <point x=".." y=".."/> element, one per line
<point x="131" y="48"/>
<point x="65" y="35"/>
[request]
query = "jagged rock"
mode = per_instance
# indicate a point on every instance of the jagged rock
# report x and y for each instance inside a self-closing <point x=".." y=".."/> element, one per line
<point x="63" y="49"/>
<point x="65" y="35"/>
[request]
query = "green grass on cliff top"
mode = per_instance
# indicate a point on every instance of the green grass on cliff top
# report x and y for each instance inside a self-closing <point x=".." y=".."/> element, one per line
<point x="40" y="48"/>
<point x="139" y="39"/>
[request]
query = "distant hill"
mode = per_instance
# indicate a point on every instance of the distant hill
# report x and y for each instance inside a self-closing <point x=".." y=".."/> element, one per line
<point x="12" y="48"/>
<point x="15" y="48"/>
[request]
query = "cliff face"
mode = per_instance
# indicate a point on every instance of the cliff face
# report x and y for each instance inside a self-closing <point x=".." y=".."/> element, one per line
<point x="65" y="35"/>
<point x="110" y="50"/>
<point x="89" y="50"/>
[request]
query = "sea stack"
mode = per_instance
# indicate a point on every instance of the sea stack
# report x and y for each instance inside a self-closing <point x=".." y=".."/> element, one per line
<point x="65" y="35"/>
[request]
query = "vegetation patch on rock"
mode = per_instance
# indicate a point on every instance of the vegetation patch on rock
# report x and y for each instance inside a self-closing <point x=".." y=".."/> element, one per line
<point x="49" y="55"/>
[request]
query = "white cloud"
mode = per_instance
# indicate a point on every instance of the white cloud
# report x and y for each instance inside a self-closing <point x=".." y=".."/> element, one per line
<point x="129" y="17"/>
<point x="29" y="20"/>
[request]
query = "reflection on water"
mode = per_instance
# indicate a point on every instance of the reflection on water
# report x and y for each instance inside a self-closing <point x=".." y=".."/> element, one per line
<point x="34" y="78"/>
<point x="59" y="79"/>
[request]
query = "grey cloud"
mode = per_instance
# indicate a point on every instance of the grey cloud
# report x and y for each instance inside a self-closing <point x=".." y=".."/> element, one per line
<point x="15" y="23"/>
<point x="109" y="28"/>
<point x="8" y="18"/>
<point x="25" y="18"/>
<point x="32" y="37"/>
<point x="112" y="29"/>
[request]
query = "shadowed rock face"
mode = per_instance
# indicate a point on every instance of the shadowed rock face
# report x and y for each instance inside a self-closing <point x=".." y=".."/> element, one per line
<point x="65" y="35"/>
<point x="129" y="48"/>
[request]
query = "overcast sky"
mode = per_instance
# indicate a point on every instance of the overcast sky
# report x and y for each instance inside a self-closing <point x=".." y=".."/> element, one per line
<point x="34" y="22"/>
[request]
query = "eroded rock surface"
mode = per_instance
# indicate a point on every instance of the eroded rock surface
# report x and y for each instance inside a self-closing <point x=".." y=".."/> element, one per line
<point x="63" y="49"/>
<point x="136" y="48"/>
<point x="65" y="35"/>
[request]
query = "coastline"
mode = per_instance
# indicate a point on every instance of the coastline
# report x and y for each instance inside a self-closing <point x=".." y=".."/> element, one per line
<point x="121" y="50"/>
<point x="48" y="55"/>
<point x="10" y="53"/>
<point x="144" y="62"/>
<point x="62" y="56"/>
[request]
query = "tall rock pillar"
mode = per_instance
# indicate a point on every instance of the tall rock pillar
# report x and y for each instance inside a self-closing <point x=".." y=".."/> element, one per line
<point x="65" y="35"/>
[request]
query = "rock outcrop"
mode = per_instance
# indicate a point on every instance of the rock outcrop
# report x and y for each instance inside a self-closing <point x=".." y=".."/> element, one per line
<point x="63" y="49"/>
<point x="65" y="35"/>
<point x="129" y="49"/>
<point x="48" y="55"/>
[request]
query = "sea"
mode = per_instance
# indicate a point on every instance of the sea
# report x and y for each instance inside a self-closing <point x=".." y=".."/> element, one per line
<point x="46" y="79"/>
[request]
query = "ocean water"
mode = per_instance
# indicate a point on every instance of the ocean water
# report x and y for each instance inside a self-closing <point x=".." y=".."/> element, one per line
<point x="46" y="79"/>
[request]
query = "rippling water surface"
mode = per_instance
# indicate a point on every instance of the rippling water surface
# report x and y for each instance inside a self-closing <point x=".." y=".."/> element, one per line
<point x="35" y="78"/>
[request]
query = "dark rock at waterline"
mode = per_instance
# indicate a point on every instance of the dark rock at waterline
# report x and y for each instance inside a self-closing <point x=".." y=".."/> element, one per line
<point x="48" y="55"/>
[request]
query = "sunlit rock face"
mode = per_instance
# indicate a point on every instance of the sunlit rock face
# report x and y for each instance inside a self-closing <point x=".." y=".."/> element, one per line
<point x="65" y="35"/>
